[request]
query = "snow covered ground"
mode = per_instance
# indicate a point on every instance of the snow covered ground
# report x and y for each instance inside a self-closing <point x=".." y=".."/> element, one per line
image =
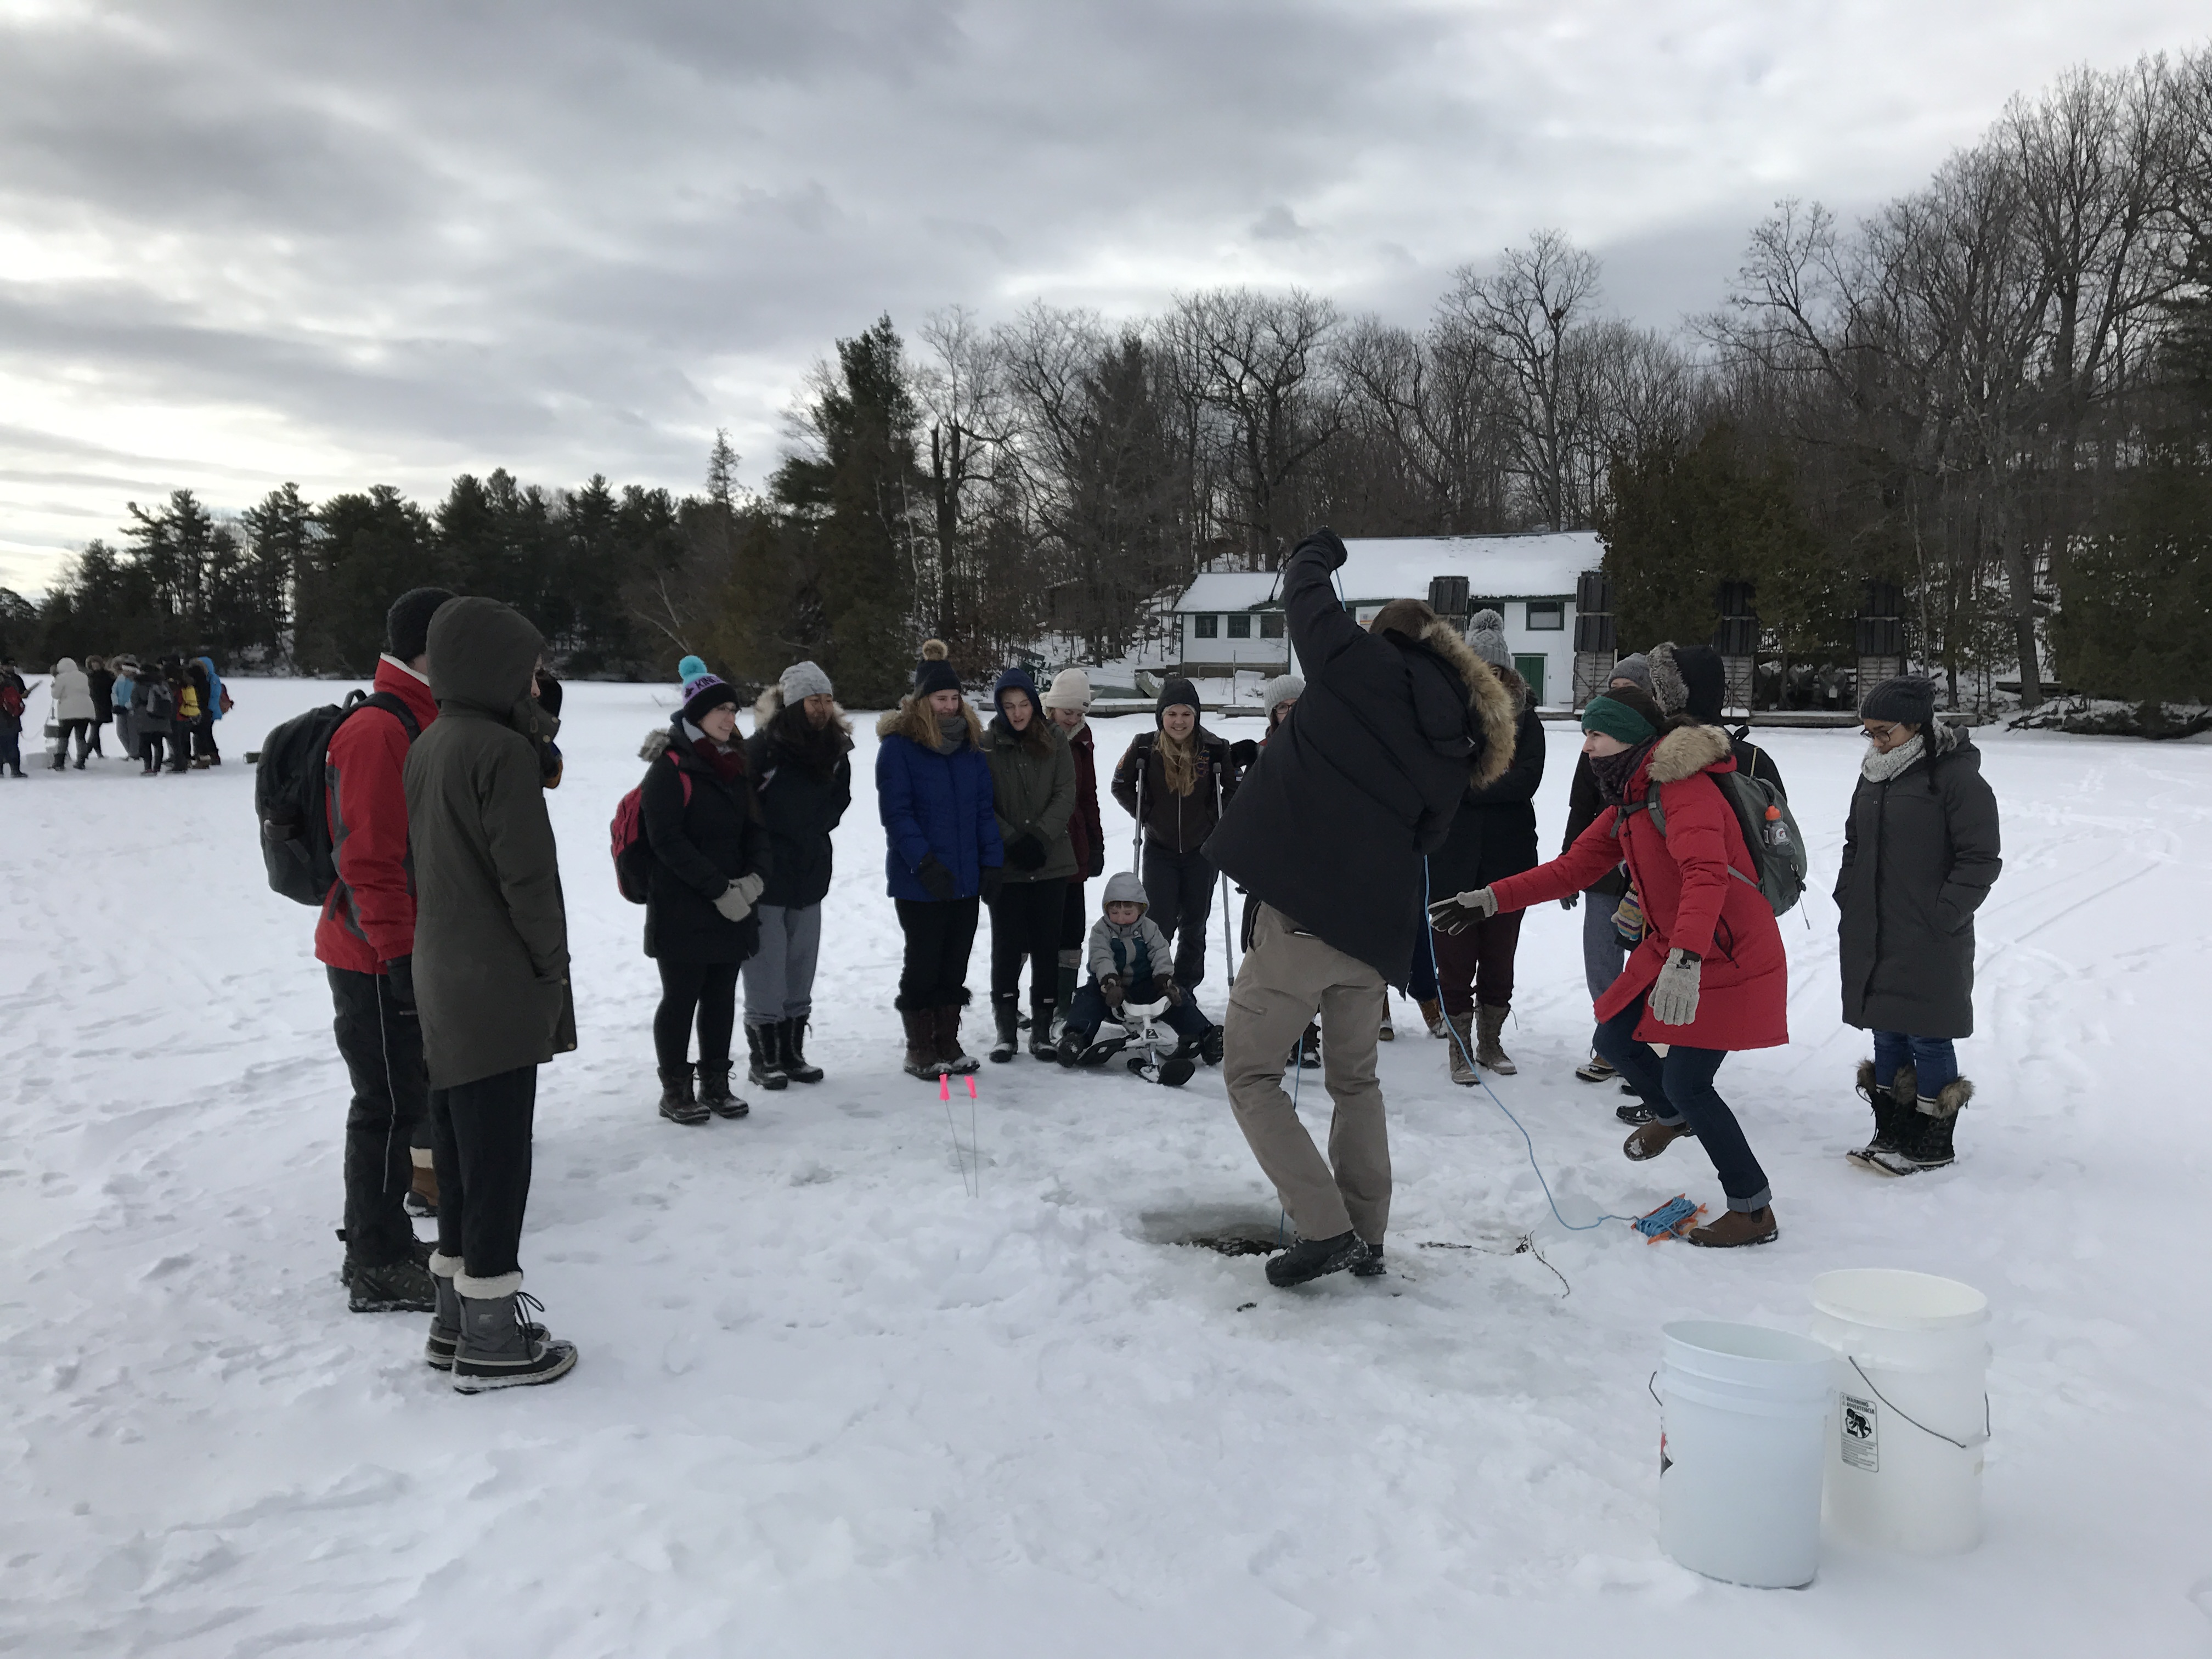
<point x="829" y="1402"/>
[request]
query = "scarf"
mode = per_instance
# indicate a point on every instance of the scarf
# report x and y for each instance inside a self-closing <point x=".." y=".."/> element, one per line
<point x="1613" y="772"/>
<point x="951" y="732"/>
<point x="728" y="762"/>
<point x="1878" y="768"/>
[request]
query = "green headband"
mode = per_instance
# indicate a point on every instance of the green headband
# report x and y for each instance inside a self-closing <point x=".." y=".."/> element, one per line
<point x="1617" y="720"/>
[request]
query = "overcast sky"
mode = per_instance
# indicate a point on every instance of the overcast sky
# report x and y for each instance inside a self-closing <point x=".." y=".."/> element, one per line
<point x="344" y="244"/>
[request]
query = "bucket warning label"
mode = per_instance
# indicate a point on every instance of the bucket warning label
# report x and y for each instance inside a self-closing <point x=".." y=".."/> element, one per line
<point x="1862" y="1433"/>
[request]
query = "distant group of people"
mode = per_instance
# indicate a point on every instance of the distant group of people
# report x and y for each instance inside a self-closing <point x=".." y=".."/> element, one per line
<point x="164" y="713"/>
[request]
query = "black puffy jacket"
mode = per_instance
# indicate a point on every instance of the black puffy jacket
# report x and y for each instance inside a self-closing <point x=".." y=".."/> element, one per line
<point x="1494" y="833"/>
<point x="700" y="845"/>
<point x="803" y="778"/>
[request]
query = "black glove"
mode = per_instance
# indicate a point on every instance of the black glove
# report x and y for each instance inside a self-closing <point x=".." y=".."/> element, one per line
<point x="936" y="878"/>
<point x="1571" y="901"/>
<point x="989" y="881"/>
<point x="399" y="975"/>
<point x="1332" y="549"/>
<point x="1025" y="852"/>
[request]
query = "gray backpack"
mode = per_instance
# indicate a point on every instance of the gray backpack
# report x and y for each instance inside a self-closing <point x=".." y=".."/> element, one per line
<point x="1770" y="832"/>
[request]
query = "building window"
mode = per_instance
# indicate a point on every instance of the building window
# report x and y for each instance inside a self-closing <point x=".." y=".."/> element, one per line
<point x="1546" y="614"/>
<point x="1205" y="628"/>
<point x="1240" y="626"/>
<point x="1271" y="624"/>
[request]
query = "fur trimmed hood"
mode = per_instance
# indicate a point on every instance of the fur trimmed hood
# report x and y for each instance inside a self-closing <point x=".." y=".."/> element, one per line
<point x="1496" y="710"/>
<point x="1685" y="751"/>
<point x="912" y="721"/>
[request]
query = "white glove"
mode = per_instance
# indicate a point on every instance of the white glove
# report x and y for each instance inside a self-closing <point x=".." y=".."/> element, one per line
<point x="1674" y="993"/>
<point x="737" y="901"/>
<point x="1461" y="911"/>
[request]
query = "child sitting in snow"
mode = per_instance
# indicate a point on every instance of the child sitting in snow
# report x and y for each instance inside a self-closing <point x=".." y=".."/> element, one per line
<point x="1129" y="961"/>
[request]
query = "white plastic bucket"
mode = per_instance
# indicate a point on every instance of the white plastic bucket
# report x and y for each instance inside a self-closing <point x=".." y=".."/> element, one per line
<point x="1743" y="1435"/>
<point x="1905" y="1464"/>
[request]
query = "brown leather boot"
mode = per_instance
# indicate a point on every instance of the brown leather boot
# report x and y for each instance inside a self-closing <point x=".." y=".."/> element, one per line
<point x="423" y="1184"/>
<point x="921" y="1059"/>
<point x="1733" y="1227"/>
<point x="1433" y="1012"/>
<point x="1652" y="1138"/>
<point x="1462" y="1050"/>
<point x="1489" y="1025"/>
<point x="956" y="1059"/>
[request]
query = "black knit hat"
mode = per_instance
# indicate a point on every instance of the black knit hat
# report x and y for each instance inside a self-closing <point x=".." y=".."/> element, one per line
<point x="934" y="674"/>
<point x="1909" y="699"/>
<point x="407" y="624"/>
<point x="1177" y="691"/>
<point x="1704" y="681"/>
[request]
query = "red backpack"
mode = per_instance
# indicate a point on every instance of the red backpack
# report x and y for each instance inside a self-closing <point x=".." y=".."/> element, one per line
<point x="632" y="852"/>
<point x="11" y="700"/>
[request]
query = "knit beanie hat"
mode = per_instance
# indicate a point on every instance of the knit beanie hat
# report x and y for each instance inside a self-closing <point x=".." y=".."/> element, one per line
<point x="690" y="669"/>
<point x="1177" y="691"/>
<point x="1485" y="637"/>
<point x="1704" y="681"/>
<point x="1284" y="687"/>
<point x="932" y="651"/>
<point x="407" y="624"/>
<point x="1629" y="716"/>
<point x="934" y="674"/>
<point x="1909" y="699"/>
<point x="1635" y="666"/>
<point x="1070" y="688"/>
<point x="703" y="692"/>
<point x="803" y="680"/>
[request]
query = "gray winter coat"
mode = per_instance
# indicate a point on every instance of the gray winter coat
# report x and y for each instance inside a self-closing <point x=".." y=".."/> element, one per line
<point x="491" y="933"/>
<point x="1139" y="951"/>
<point x="1920" y="854"/>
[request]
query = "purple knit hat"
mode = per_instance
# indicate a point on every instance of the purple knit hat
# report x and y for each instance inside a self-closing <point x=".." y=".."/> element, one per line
<point x="704" y="692"/>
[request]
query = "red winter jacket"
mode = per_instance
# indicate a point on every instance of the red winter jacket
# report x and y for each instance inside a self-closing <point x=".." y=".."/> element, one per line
<point x="369" y="917"/>
<point x="1690" y="898"/>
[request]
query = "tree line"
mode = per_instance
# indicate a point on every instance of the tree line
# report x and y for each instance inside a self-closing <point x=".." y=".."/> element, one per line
<point x="1990" y="398"/>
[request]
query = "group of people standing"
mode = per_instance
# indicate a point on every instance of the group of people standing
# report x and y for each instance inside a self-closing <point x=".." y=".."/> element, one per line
<point x="164" y="715"/>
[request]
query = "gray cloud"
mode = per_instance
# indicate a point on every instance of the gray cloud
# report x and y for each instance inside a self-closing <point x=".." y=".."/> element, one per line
<point x="339" y="243"/>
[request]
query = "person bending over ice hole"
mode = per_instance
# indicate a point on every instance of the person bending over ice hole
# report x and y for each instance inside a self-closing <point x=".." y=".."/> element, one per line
<point x="1709" y="975"/>
<point x="1328" y="834"/>
<point x="1920" y="855"/>
<point x="1128" y="962"/>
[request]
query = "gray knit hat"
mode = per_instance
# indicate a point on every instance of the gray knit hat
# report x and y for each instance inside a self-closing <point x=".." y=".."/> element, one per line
<point x="803" y="680"/>
<point x="1635" y="667"/>
<point x="1284" y="687"/>
<point x="1485" y="637"/>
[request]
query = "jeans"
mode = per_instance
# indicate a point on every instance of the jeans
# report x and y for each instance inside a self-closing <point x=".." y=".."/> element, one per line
<point x="1680" y="1089"/>
<point x="1476" y="964"/>
<point x="940" y="934"/>
<point x="480" y="1145"/>
<point x="1179" y="891"/>
<point x="710" y="989"/>
<point x="1603" y="954"/>
<point x="381" y="1044"/>
<point x="1934" y="1060"/>
<point x="1090" y="1012"/>
<point x="1025" y="926"/>
<point x="780" y="976"/>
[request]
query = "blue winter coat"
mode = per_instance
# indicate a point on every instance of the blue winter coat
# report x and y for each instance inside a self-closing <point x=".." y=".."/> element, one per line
<point x="934" y="802"/>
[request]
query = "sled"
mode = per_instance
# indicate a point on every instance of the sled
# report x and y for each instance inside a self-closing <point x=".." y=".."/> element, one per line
<point x="1141" y="1029"/>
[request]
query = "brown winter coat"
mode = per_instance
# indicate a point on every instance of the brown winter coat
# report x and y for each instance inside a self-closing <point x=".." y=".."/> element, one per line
<point x="491" y="934"/>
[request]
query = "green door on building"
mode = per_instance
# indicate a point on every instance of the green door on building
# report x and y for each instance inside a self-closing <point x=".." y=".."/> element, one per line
<point x="1531" y="668"/>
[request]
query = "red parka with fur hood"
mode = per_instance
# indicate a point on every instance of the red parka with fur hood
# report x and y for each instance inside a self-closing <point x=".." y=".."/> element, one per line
<point x="1699" y="889"/>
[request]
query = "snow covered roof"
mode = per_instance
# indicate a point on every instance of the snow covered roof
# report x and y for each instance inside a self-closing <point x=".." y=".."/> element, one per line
<point x="1378" y="568"/>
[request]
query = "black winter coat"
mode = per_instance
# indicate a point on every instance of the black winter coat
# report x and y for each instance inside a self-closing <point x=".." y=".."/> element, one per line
<point x="1493" y="834"/>
<point x="1363" y="777"/>
<point x="699" y="847"/>
<point x="804" y="793"/>
<point x="1920" y="855"/>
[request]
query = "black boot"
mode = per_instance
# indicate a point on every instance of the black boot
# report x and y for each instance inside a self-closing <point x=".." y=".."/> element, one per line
<point x="1924" y="1141"/>
<point x="795" y="1065"/>
<point x="676" y="1104"/>
<point x="1310" y="1258"/>
<point x="1040" y="1046"/>
<point x="1893" y="1110"/>
<point x="766" y="1059"/>
<point x="401" y="1286"/>
<point x="499" y="1348"/>
<point x="1006" y="1012"/>
<point x="714" y="1091"/>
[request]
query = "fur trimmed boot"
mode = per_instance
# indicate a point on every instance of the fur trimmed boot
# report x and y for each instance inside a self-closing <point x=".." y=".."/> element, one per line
<point x="1463" y="1049"/>
<point x="922" y="1057"/>
<point x="1892" y="1107"/>
<point x="1924" y="1141"/>
<point x="956" y="1060"/>
<point x="677" y="1104"/>
<point x="788" y="1035"/>
<point x="499" y="1348"/>
<point x="714" y="1091"/>
<point x="1489" y="1027"/>
<point x="446" y="1317"/>
<point x="765" y="1056"/>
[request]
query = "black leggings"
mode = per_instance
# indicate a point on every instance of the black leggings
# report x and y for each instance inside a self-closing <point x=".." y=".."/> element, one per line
<point x="711" y="988"/>
<point x="1025" y="924"/>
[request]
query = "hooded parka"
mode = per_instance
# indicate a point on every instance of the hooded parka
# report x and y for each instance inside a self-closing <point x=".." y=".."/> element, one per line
<point x="491" y="933"/>
<point x="1699" y="889"/>
<point x="802" y="775"/>
<point x="703" y="837"/>
<point x="1920" y="855"/>
<point x="72" y="692"/>
<point x="1033" y="790"/>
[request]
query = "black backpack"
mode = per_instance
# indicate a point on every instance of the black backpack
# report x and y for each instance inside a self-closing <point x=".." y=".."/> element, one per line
<point x="289" y="789"/>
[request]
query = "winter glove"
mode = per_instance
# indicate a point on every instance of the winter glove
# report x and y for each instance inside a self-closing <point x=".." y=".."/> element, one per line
<point x="1461" y="911"/>
<point x="936" y="878"/>
<point x="1628" y="920"/>
<point x="549" y="765"/>
<point x="736" y="903"/>
<point x="1172" y="992"/>
<point x="399" y="976"/>
<point x="1571" y="901"/>
<point x="1110" y="988"/>
<point x="1025" y="852"/>
<point x="1332" y="549"/>
<point x="1674" y="993"/>
<point x="989" y="881"/>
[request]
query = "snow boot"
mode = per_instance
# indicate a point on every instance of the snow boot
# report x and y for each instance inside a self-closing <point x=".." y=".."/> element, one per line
<point x="401" y="1286"/>
<point x="1733" y="1227"/>
<point x="1489" y="1024"/>
<point x="1070" y="975"/>
<point x="1041" y="1046"/>
<point x="1596" y="1069"/>
<point x="445" y="1314"/>
<point x="1893" y="1110"/>
<point x="958" y="1060"/>
<point x="714" y="1091"/>
<point x="1370" y="1265"/>
<point x="1634" y="1111"/>
<point x="422" y="1195"/>
<point x="1461" y="1053"/>
<point x="1652" y="1138"/>
<point x="921" y="1059"/>
<point x="1006" y="1013"/>
<point x="1072" y="1045"/>
<point x="1311" y="1258"/>
<point x="676" y="1104"/>
<point x="1209" y="1045"/>
<point x="764" y="1057"/>
<point x="499" y="1348"/>
<point x="1385" y="1032"/>
<point x="1433" y="1012"/>
<point x="1309" y="1048"/>
<point x="1924" y="1141"/>
<point x="795" y="1065"/>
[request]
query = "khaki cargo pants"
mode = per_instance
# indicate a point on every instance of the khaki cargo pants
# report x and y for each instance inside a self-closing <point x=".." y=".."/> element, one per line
<point x="1284" y="980"/>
